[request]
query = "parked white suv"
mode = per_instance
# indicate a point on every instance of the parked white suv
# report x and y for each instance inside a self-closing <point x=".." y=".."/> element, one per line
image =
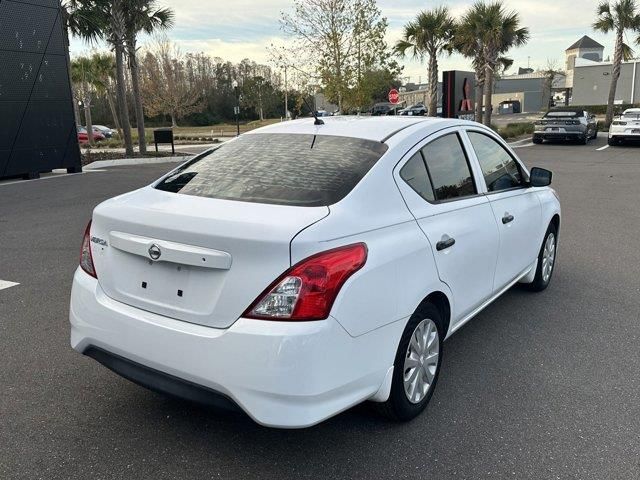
<point x="300" y="269"/>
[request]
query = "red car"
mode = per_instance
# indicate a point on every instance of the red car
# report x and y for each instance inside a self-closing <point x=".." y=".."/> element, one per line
<point x="83" y="136"/>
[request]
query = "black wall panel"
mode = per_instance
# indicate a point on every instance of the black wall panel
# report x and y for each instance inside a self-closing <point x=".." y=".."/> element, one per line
<point x="37" y="126"/>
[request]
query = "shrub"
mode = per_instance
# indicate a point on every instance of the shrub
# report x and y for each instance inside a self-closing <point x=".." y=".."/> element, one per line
<point x="513" y="130"/>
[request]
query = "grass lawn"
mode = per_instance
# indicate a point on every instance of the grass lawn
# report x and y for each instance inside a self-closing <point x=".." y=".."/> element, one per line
<point x="192" y="134"/>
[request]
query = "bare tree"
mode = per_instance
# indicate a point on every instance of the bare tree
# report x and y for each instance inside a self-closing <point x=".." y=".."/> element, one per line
<point x="165" y="85"/>
<point x="337" y="36"/>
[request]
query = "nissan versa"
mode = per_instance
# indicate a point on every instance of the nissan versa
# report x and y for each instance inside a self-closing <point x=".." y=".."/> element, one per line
<point x="301" y="269"/>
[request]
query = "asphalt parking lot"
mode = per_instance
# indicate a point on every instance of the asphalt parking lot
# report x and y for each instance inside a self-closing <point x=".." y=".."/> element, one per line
<point x="539" y="386"/>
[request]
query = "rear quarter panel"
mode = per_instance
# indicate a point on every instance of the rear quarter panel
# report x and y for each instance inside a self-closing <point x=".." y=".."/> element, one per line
<point x="400" y="270"/>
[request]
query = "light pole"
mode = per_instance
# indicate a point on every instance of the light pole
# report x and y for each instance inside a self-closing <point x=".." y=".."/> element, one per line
<point x="236" y="109"/>
<point x="286" y="96"/>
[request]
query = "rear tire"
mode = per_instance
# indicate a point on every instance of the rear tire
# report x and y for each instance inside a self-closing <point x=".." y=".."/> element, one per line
<point x="546" y="260"/>
<point x="537" y="140"/>
<point x="416" y="371"/>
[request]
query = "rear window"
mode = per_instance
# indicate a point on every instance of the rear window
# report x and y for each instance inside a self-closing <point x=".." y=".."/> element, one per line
<point x="280" y="169"/>
<point x="563" y="114"/>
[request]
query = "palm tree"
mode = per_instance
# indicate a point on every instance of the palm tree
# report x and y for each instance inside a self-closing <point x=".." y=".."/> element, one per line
<point x="499" y="31"/>
<point x="114" y="33"/>
<point x="429" y="35"/>
<point x="83" y="75"/>
<point x="80" y="20"/>
<point x="618" y="17"/>
<point x="468" y="42"/>
<point x="142" y="16"/>
<point x="105" y="68"/>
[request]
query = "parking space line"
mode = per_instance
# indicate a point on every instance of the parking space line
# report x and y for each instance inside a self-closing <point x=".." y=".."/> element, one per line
<point x="50" y="177"/>
<point x="522" y="146"/>
<point x="4" y="284"/>
<point x="602" y="148"/>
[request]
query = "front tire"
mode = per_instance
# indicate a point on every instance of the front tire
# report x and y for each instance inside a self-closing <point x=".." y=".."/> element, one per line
<point x="417" y="365"/>
<point x="537" y="140"/>
<point x="612" y="142"/>
<point x="546" y="260"/>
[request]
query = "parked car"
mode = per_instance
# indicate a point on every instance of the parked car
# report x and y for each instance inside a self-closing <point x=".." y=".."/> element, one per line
<point x="625" y="128"/>
<point x="299" y="270"/>
<point x="106" y="131"/>
<point x="568" y="124"/>
<point x="382" y="109"/>
<point x="83" y="136"/>
<point x="415" y="110"/>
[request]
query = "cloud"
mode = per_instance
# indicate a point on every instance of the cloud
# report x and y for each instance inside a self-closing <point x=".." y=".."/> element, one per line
<point x="244" y="28"/>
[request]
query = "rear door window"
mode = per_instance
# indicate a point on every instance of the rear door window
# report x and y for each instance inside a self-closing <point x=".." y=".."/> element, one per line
<point x="448" y="168"/>
<point x="280" y="169"/>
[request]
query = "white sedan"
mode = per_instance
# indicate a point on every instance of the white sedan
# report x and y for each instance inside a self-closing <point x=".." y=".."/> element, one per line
<point x="625" y="128"/>
<point x="301" y="269"/>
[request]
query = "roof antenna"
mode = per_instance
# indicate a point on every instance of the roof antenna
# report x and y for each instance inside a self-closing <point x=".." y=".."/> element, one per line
<point x="313" y="112"/>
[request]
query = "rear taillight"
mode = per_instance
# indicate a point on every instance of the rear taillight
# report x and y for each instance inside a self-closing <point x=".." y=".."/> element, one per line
<point x="86" y="258"/>
<point x="307" y="290"/>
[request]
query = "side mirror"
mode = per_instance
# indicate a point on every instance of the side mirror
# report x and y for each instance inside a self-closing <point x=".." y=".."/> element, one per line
<point x="540" y="177"/>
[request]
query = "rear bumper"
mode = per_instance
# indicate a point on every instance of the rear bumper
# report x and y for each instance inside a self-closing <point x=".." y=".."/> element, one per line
<point x="570" y="135"/>
<point x="288" y="375"/>
<point x="625" y="137"/>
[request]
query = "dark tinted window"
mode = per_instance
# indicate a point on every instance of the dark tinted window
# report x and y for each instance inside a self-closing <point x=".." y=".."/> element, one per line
<point x="500" y="170"/>
<point x="564" y="114"/>
<point x="282" y="169"/>
<point x="415" y="174"/>
<point x="448" y="168"/>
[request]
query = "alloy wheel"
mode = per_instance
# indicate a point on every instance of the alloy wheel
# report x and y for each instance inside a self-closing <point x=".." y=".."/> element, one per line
<point x="421" y="361"/>
<point x="548" y="257"/>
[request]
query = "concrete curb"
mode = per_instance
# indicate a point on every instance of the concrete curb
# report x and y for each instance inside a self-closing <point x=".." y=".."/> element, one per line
<point x="135" y="161"/>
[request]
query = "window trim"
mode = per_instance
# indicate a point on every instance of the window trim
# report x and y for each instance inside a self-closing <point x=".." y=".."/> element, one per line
<point x="424" y="164"/>
<point x="523" y="170"/>
<point x="417" y="148"/>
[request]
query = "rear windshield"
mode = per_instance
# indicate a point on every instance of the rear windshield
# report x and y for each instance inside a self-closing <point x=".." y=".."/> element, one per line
<point x="280" y="169"/>
<point x="632" y="115"/>
<point x="563" y="114"/>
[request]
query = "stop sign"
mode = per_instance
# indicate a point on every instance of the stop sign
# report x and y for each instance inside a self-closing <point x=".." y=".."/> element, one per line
<point x="394" y="96"/>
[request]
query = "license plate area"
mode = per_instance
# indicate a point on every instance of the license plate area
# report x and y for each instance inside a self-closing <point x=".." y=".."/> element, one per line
<point x="174" y="290"/>
<point x="164" y="282"/>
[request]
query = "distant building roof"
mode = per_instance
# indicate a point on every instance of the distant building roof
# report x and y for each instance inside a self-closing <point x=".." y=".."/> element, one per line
<point x="585" y="42"/>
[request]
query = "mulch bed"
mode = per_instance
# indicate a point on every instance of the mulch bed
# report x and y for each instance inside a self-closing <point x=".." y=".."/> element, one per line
<point x="91" y="157"/>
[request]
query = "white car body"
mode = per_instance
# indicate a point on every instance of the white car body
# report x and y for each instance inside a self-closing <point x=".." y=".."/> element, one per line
<point x="626" y="127"/>
<point x="225" y="253"/>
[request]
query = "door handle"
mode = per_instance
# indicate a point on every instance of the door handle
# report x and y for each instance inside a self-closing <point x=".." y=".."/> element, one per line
<point x="444" y="244"/>
<point x="507" y="219"/>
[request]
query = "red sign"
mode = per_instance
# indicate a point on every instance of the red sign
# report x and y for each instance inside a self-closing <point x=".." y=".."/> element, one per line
<point x="394" y="96"/>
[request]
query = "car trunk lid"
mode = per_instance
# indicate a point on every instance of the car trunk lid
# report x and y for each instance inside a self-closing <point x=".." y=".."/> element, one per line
<point x="195" y="259"/>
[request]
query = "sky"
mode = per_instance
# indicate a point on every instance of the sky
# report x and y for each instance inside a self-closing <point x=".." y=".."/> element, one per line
<point x="238" y="29"/>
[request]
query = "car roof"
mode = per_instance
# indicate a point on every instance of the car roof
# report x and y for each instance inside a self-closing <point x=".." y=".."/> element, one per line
<point x="635" y="111"/>
<point x="378" y="129"/>
<point x="566" y="109"/>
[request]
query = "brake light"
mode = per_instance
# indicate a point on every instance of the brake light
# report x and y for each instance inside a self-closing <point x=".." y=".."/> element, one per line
<point x="86" y="257"/>
<point x="308" y="290"/>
